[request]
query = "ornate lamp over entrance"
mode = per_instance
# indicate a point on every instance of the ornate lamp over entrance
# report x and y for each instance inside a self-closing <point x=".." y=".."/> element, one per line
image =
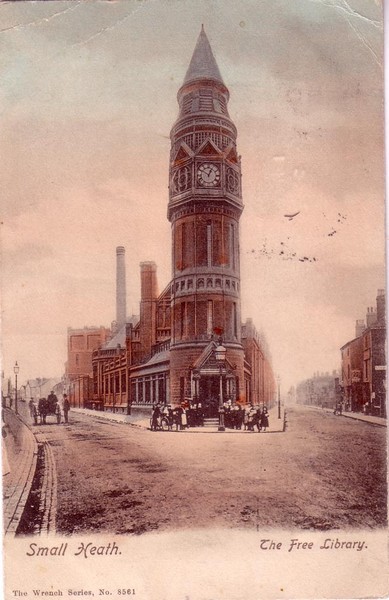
<point x="220" y="355"/>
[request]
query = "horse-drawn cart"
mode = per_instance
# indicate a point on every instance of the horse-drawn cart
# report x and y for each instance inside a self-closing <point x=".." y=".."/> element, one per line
<point x="48" y="407"/>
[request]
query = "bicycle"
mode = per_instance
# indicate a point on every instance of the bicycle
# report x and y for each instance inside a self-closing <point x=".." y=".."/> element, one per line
<point x="162" y="423"/>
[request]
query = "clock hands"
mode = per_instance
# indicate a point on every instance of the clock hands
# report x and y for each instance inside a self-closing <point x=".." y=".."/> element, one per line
<point x="208" y="173"/>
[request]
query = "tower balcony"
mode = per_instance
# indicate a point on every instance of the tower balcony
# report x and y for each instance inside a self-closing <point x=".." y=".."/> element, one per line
<point x="215" y="280"/>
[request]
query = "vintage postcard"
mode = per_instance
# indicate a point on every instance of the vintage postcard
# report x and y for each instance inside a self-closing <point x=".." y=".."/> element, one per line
<point x="193" y="300"/>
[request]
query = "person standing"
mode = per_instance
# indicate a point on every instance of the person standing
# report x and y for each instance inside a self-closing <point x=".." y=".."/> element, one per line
<point x="258" y="419"/>
<point x="66" y="408"/>
<point x="33" y="411"/>
<point x="264" y="419"/>
<point x="52" y="402"/>
<point x="251" y="418"/>
<point x="184" y="420"/>
<point x="246" y="415"/>
<point x="155" y="417"/>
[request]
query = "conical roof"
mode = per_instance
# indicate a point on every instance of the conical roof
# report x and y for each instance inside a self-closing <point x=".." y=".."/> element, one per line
<point x="203" y="64"/>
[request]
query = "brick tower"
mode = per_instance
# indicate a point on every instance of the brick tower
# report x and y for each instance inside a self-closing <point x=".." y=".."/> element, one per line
<point x="205" y="205"/>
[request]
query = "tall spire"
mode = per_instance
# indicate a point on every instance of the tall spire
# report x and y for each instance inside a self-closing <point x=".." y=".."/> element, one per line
<point x="203" y="64"/>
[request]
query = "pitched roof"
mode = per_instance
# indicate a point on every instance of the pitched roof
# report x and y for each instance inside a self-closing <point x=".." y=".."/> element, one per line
<point x="120" y="337"/>
<point x="203" y="64"/>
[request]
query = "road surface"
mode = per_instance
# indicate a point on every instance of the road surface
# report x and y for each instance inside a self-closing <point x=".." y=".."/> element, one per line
<point x="324" y="472"/>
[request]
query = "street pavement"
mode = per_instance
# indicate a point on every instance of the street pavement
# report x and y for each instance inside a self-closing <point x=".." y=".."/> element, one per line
<point x="22" y="446"/>
<point x="275" y="424"/>
<point x="116" y="477"/>
<point x="358" y="416"/>
<point x="22" y="449"/>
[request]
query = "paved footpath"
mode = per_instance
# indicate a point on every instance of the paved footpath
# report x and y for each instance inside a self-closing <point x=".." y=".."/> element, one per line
<point x="276" y="425"/>
<point x="22" y="451"/>
<point x="357" y="416"/>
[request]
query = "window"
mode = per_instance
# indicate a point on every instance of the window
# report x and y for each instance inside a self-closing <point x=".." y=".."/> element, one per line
<point x="183" y="237"/>
<point x="201" y="243"/>
<point x="235" y="318"/>
<point x="209" y="244"/>
<point x="183" y="320"/>
<point x="187" y="103"/>
<point x="217" y="242"/>
<point x="206" y="100"/>
<point x="124" y="382"/>
<point x="232" y="245"/>
<point x="147" y="390"/>
<point x="133" y="399"/>
<point x="140" y="390"/>
<point x="209" y="317"/>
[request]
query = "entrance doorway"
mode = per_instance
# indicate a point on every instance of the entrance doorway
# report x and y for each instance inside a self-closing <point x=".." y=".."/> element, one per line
<point x="209" y="391"/>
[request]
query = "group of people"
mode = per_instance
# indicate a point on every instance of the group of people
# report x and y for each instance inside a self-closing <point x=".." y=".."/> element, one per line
<point x="49" y="406"/>
<point x="247" y="417"/>
<point x="174" y="417"/>
<point x="236" y="416"/>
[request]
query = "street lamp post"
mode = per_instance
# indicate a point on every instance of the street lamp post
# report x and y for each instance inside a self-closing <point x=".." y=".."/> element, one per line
<point x="16" y="371"/>
<point x="220" y="354"/>
<point x="279" y="396"/>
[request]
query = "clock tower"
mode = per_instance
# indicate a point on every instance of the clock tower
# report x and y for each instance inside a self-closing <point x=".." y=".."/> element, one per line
<point x="205" y="204"/>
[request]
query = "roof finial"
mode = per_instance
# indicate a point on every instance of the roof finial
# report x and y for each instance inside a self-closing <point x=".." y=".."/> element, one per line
<point x="202" y="27"/>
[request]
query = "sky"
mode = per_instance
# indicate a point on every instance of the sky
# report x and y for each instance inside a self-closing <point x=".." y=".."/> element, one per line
<point x="88" y="98"/>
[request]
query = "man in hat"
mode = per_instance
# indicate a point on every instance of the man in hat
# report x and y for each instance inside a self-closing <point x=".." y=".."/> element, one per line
<point x="66" y="408"/>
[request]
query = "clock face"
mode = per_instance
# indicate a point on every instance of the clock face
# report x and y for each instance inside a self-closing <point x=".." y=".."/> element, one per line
<point x="208" y="175"/>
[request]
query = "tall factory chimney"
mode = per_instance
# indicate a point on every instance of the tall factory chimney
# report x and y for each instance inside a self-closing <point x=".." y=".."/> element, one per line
<point x="121" y="311"/>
